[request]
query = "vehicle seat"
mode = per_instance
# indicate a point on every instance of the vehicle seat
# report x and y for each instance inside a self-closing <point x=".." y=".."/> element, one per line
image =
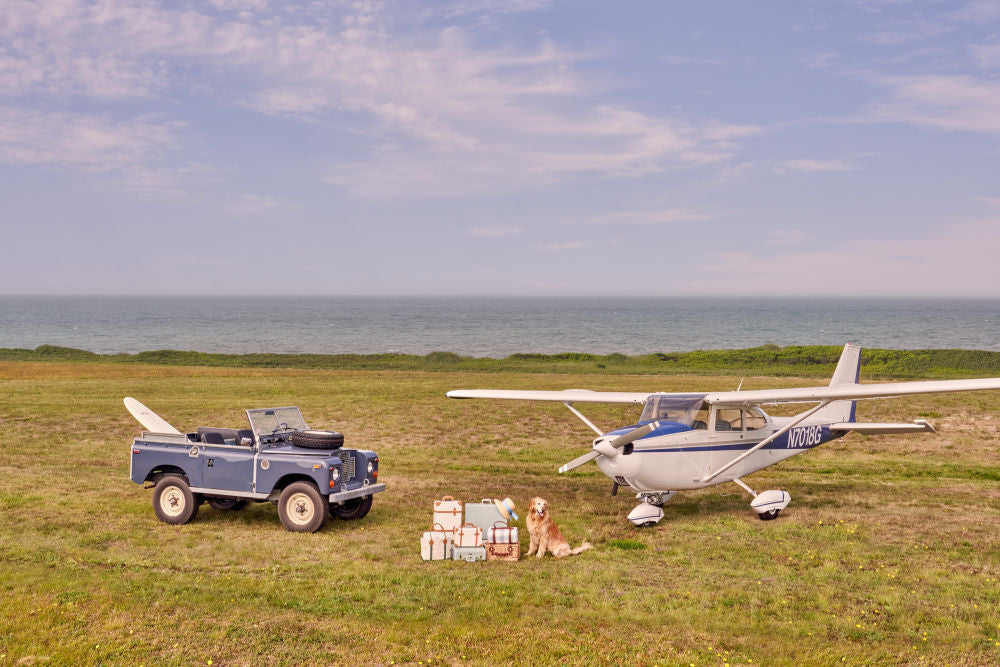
<point x="723" y="426"/>
<point x="699" y="424"/>
<point x="218" y="436"/>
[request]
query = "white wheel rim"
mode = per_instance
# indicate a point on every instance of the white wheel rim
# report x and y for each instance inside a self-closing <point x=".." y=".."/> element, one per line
<point x="301" y="509"/>
<point x="172" y="501"/>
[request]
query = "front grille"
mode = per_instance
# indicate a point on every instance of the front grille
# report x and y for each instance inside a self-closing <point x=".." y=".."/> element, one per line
<point x="346" y="467"/>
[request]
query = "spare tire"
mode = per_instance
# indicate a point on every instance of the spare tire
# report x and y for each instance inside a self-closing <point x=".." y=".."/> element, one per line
<point x="317" y="439"/>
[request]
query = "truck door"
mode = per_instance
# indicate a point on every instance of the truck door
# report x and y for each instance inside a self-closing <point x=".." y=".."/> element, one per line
<point x="228" y="467"/>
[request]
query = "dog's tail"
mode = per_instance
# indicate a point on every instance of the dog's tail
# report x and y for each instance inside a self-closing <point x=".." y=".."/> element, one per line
<point x="582" y="547"/>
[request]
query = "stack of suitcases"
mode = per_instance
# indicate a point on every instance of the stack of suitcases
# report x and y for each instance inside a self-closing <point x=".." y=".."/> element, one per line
<point x="483" y="533"/>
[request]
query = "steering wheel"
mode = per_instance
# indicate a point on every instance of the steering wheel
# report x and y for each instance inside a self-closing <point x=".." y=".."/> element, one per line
<point x="282" y="426"/>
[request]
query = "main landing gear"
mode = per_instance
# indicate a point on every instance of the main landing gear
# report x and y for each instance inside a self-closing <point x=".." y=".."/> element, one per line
<point x="650" y="511"/>
<point x="767" y="504"/>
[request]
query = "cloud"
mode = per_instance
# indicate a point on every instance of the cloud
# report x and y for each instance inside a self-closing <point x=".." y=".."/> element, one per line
<point x="958" y="102"/>
<point x="563" y="245"/>
<point x="496" y="7"/>
<point x="978" y="12"/>
<point x="438" y="114"/>
<point x="673" y="59"/>
<point x="988" y="55"/>
<point x="91" y="141"/>
<point x="904" y="31"/>
<point x="812" y="165"/>
<point x="495" y="231"/>
<point x="654" y="217"/>
<point x="250" y="204"/>
<point x="786" y="236"/>
<point x="869" y="266"/>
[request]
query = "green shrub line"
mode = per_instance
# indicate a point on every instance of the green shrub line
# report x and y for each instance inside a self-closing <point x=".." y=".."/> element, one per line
<point x="792" y="360"/>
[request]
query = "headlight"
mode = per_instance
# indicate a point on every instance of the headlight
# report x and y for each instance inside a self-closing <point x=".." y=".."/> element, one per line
<point x="335" y="474"/>
<point x="371" y="466"/>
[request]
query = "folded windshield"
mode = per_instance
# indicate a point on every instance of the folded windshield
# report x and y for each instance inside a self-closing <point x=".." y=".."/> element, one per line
<point x="680" y="408"/>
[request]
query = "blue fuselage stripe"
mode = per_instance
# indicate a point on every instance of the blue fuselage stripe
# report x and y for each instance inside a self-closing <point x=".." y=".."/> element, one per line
<point x="817" y="437"/>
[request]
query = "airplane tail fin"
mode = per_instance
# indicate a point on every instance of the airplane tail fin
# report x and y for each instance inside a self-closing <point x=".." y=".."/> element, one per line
<point x="848" y="371"/>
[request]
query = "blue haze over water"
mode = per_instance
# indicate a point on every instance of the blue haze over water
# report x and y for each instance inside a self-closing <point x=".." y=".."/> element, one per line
<point x="489" y="326"/>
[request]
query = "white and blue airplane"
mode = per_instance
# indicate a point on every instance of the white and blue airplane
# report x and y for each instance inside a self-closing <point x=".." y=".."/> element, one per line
<point x="692" y="441"/>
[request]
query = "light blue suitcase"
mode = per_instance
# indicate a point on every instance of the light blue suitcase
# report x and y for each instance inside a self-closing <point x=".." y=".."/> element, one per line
<point x="469" y="554"/>
<point x="484" y="514"/>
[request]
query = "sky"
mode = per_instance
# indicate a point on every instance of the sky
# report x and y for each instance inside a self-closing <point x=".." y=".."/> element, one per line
<point x="487" y="147"/>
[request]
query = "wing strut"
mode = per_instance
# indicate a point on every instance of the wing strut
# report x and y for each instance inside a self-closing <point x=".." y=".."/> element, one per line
<point x="766" y="441"/>
<point x="582" y="418"/>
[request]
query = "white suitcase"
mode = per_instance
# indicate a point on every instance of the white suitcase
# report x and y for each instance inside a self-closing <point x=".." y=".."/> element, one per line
<point x="469" y="535"/>
<point x="435" y="544"/>
<point x="448" y="513"/>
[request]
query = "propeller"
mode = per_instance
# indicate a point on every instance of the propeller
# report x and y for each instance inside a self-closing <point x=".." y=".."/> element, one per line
<point x="617" y="443"/>
<point x="579" y="461"/>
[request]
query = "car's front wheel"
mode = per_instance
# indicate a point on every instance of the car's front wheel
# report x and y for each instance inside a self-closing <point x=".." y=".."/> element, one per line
<point x="173" y="501"/>
<point x="355" y="508"/>
<point x="301" y="507"/>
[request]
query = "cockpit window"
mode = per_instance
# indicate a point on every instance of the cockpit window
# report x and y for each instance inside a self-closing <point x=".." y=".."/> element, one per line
<point x="672" y="407"/>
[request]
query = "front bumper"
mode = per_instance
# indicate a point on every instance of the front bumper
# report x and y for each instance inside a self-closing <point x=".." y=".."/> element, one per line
<point x="356" y="493"/>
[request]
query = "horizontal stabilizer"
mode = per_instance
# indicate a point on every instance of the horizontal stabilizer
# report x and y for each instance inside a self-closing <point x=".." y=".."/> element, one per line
<point x="918" y="426"/>
<point x="564" y="396"/>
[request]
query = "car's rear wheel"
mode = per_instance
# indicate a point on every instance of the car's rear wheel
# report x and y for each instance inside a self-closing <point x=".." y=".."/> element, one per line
<point x="355" y="508"/>
<point x="302" y="508"/>
<point x="173" y="501"/>
<point x="227" y="504"/>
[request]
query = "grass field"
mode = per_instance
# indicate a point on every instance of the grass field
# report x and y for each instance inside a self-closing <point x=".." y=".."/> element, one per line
<point x="888" y="554"/>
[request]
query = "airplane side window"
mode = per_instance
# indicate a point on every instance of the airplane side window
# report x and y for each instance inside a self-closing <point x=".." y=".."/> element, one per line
<point x="754" y="419"/>
<point x="729" y="419"/>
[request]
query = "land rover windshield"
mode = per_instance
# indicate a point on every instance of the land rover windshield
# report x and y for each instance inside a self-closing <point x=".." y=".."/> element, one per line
<point x="680" y="408"/>
<point x="276" y="420"/>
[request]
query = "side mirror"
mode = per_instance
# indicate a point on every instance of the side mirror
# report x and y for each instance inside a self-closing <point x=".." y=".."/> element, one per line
<point x="246" y="442"/>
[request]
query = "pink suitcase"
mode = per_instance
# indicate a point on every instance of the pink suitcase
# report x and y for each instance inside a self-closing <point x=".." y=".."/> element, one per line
<point x="448" y="513"/>
<point x="500" y="533"/>
<point x="469" y="535"/>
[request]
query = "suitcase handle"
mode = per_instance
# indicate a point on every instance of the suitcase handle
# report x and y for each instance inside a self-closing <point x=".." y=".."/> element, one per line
<point x="447" y="498"/>
<point x="439" y="526"/>
<point x="503" y="524"/>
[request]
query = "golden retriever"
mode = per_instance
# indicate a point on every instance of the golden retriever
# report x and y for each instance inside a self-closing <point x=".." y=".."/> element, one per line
<point x="544" y="534"/>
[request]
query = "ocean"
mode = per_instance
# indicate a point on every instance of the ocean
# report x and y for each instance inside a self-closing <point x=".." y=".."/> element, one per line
<point x="488" y="326"/>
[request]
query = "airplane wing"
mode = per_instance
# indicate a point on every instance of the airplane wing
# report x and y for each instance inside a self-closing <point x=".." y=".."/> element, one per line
<point x="918" y="426"/>
<point x="847" y="392"/>
<point x="564" y="396"/>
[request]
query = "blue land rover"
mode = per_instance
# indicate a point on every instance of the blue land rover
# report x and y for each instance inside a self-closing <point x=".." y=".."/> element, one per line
<point x="307" y="473"/>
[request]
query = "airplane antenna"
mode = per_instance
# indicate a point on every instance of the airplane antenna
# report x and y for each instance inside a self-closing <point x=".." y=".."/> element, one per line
<point x="740" y="385"/>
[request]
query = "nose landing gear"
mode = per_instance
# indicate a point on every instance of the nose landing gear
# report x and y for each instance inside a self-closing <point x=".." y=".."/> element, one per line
<point x="650" y="511"/>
